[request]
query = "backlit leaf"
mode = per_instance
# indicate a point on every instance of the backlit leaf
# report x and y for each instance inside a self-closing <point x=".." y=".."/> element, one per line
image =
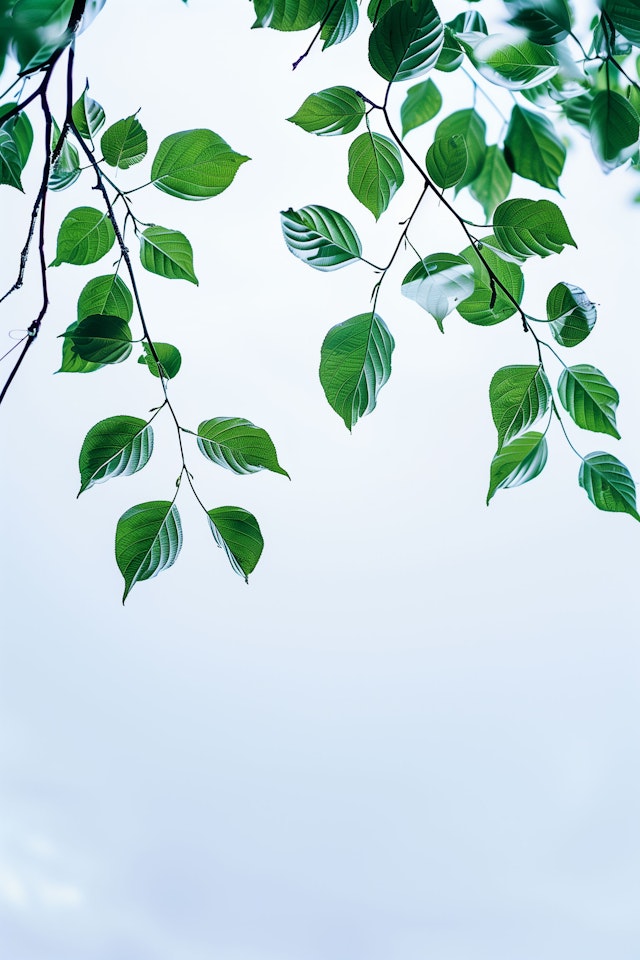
<point x="115" y="447"/>
<point x="320" y="237"/>
<point x="85" y="235"/>
<point x="608" y="483"/>
<point x="490" y="304"/>
<point x="87" y="115"/>
<point x="341" y="22"/>
<point x="195" y="165"/>
<point x="470" y="125"/>
<point x="421" y="104"/>
<point x="519" y="396"/>
<point x="438" y="283"/>
<point x="572" y="315"/>
<point x="237" y="532"/>
<point x="375" y="171"/>
<point x="526" y="228"/>
<point x="614" y="127"/>
<point x="168" y="355"/>
<point x="106" y="295"/>
<point x="532" y="148"/>
<point x="446" y="161"/>
<point x="336" y="110"/>
<point x="148" y="541"/>
<point x="517" y="462"/>
<point x="124" y="143"/>
<point x="406" y="41"/>
<point x="589" y="398"/>
<point x="167" y="253"/>
<point x="516" y="65"/>
<point x="493" y="183"/>
<point x="100" y="339"/>
<point x="238" y="445"/>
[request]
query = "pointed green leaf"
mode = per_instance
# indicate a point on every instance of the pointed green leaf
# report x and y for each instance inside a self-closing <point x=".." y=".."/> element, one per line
<point x="290" y="14"/>
<point x="624" y="16"/>
<point x="608" y="483"/>
<point x="451" y="54"/>
<point x="238" y="445"/>
<point x="546" y="21"/>
<point x="148" y="541"/>
<point x="167" y="253"/>
<point x="571" y="314"/>
<point x="447" y="159"/>
<point x="355" y="363"/>
<point x="515" y="65"/>
<point x="614" y="127"/>
<point x="100" y="339"/>
<point x="517" y="462"/>
<point x="10" y="163"/>
<point x="237" y="532"/>
<point x="115" y="447"/>
<point x="320" y="237"/>
<point x="493" y="183"/>
<point x="519" y="396"/>
<point x="66" y="169"/>
<point x="195" y="165"/>
<point x="589" y="398"/>
<point x="375" y="171"/>
<point x="422" y="103"/>
<point x="471" y="126"/>
<point x="406" y="41"/>
<point x="124" y="143"/>
<point x="488" y="303"/>
<point x="87" y="115"/>
<point x="336" y="110"/>
<point x="528" y="228"/>
<point x="16" y="139"/>
<point x="106" y="295"/>
<point x="168" y="355"/>
<point x="341" y="22"/>
<point x="85" y="235"/>
<point x="532" y="149"/>
<point x="71" y="362"/>
<point x="438" y="283"/>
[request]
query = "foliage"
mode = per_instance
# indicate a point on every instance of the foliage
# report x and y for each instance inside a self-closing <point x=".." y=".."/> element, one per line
<point x="541" y="76"/>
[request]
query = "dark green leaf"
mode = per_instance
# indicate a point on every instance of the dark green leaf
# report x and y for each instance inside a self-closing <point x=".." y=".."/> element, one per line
<point x="447" y="159"/>
<point x="124" y="143"/>
<point x="106" y="295"/>
<point x="545" y="21"/>
<point x="519" y="396"/>
<point x="195" y="165"/>
<point x="10" y="162"/>
<point x="532" y="148"/>
<point x="572" y="315"/>
<point x="115" y="447"/>
<point x="290" y="14"/>
<point x="589" y="398"/>
<point x="422" y="103"/>
<point x="406" y="41"/>
<point x="451" y="53"/>
<point x="237" y="532"/>
<point x="167" y="253"/>
<point x="320" y="237"/>
<point x="168" y="355"/>
<point x="341" y="22"/>
<point x="624" y="16"/>
<point x="238" y="445"/>
<point x="148" y="541"/>
<point x="71" y="362"/>
<point x="355" y="363"/>
<point x="527" y="228"/>
<point x="87" y="115"/>
<point x="85" y="235"/>
<point x="471" y="126"/>
<point x="608" y="483"/>
<point x="329" y="112"/>
<point x="439" y="283"/>
<point x="614" y="129"/>
<point x="375" y="171"/>
<point x="517" y="462"/>
<point x="493" y="183"/>
<point x="488" y="303"/>
<point x="100" y="339"/>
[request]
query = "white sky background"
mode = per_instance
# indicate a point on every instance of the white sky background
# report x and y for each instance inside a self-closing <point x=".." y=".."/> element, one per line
<point x="415" y="734"/>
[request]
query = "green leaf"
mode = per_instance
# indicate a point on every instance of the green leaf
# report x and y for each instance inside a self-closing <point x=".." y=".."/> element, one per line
<point x="532" y="149"/>
<point x="66" y="169"/>
<point x="493" y="183"/>
<point x="10" y="162"/>
<point x="589" y="398"/>
<point x="515" y="65"/>
<point x="237" y="532"/>
<point x="148" y="541"/>
<point x="71" y="362"/>
<point x="167" y="253"/>
<point x="168" y="355"/>
<point x="124" y="143"/>
<point x="471" y="126"/>
<point x="115" y="447"/>
<point x="517" y="462"/>
<point x="375" y="171"/>
<point x="87" y="115"/>
<point x="355" y="363"/>
<point x="290" y="14"/>
<point x="438" y="283"/>
<point x="447" y="159"/>
<point x="528" y="228"/>
<point x="624" y="16"/>
<point x="335" y="110"/>
<point x="341" y="22"/>
<point x="100" y="339"/>
<point x="238" y="445"/>
<point x="451" y="53"/>
<point x="571" y="314"/>
<point x="546" y="21"/>
<point x="608" y="483"/>
<point x="489" y="304"/>
<point x="320" y="237"/>
<point x="106" y="295"/>
<point x="85" y="235"/>
<point x="519" y="396"/>
<point x="195" y="165"/>
<point x="614" y="129"/>
<point x="421" y="104"/>
<point x="406" y="41"/>
<point x="16" y="140"/>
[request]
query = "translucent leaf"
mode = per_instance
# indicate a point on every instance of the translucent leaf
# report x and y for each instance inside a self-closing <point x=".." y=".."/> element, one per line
<point x="517" y="462"/>
<point x="519" y="396"/>
<point x="438" y="283"/>
<point x="608" y="483"/>
<point x="124" y="143"/>
<point x="167" y="253"/>
<point x="406" y="41"/>
<point x="493" y="183"/>
<point x="471" y="126"/>
<point x="320" y="237"/>
<point x="421" y="104"/>
<point x="290" y="14"/>
<point x="238" y="445"/>
<point x="71" y="362"/>
<point x="571" y="314"/>
<point x="589" y="398"/>
<point x="515" y="65"/>
<point x="527" y="228"/>
<point x="100" y="339"/>
<point x="546" y="21"/>
<point x="168" y="355"/>
<point x="341" y="22"/>
<point x="106" y="295"/>
<point x="614" y="129"/>
<point x="355" y="363"/>
<point x="336" y="110"/>
<point x="85" y="235"/>
<point x="447" y="159"/>
<point x="195" y="165"/>
<point x="488" y="303"/>
<point x="87" y="115"/>
<point x="237" y="532"/>
<point x="66" y="169"/>
<point x="148" y="541"/>
<point x="532" y="149"/>
<point x="115" y="447"/>
<point x="375" y="171"/>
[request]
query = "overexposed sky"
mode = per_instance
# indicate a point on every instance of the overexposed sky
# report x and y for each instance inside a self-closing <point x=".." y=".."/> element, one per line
<point x="414" y="734"/>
